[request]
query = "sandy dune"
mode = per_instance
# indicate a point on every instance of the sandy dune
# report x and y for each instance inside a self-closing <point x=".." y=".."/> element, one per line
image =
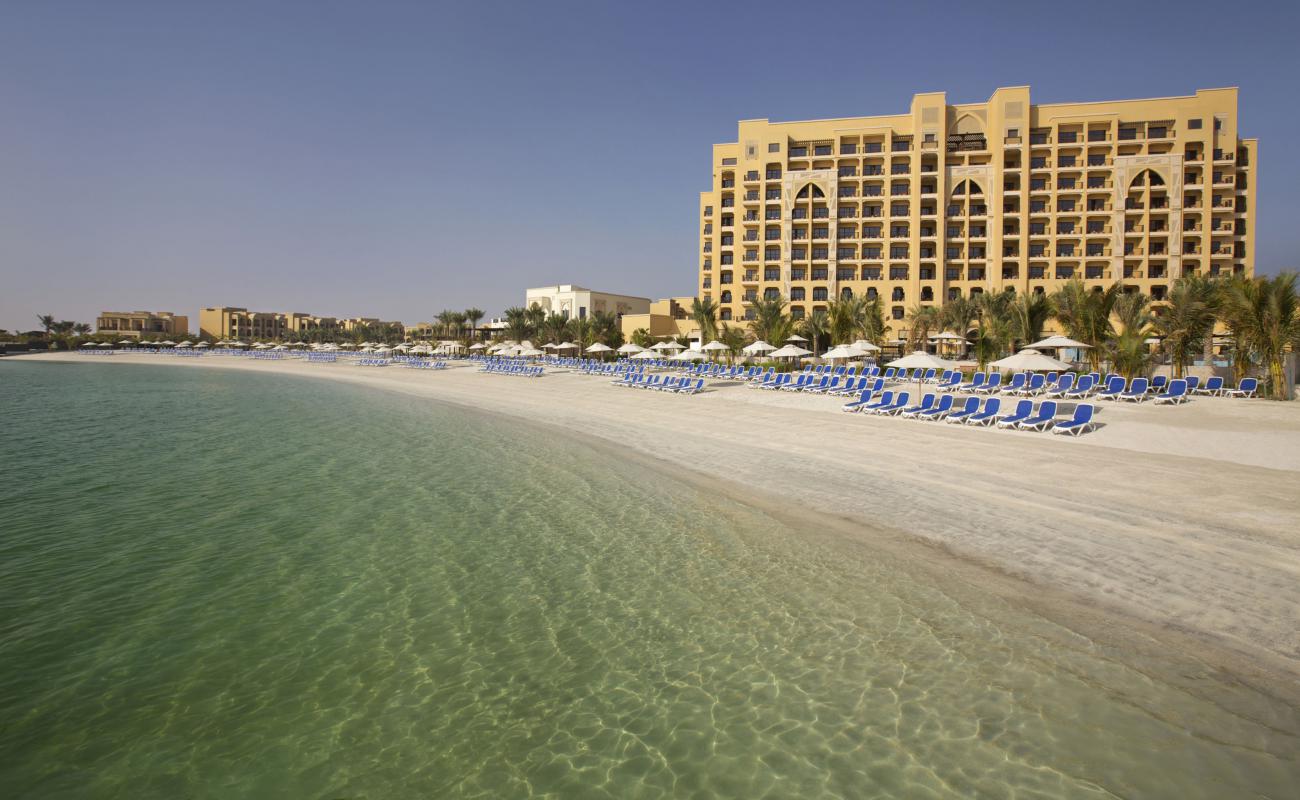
<point x="1183" y="519"/>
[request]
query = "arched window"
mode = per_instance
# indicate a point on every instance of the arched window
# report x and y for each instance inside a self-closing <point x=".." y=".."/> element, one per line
<point x="810" y="190"/>
<point x="927" y="294"/>
<point x="726" y="297"/>
<point x="898" y="295"/>
<point x="846" y="293"/>
<point x="797" y="293"/>
<point x="819" y="293"/>
<point x="771" y="293"/>
<point x="725" y="314"/>
<point x="872" y="294"/>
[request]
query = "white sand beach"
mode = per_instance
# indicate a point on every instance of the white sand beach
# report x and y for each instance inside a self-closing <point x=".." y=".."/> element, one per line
<point x="1182" y="521"/>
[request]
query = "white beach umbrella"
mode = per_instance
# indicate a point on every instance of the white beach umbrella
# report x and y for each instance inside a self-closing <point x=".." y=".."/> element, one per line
<point x="646" y="355"/>
<point x="844" y="351"/>
<point x="202" y="344"/>
<point x="714" y="346"/>
<point x="865" y="346"/>
<point x="105" y="344"/>
<point x="238" y="343"/>
<point x="630" y="348"/>
<point x="947" y="336"/>
<point x="661" y="346"/>
<point x="530" y="352"/>
<point x="794" y="337"/>
<point x="599" y="347"/>
<point x="923" y="360"/>
<point x="567" y="346"/>
<point x="757" y="348"/>
<point x="185" y="344"/>
<point x="1056" y="342"/>
<point x="1029" y="360"/>
<point x="126" y="341"/>
<point x="478" y="346"/>
<point x="89" y="344"/>
<point x="279" y="347"/>
<point x="690" y="355"/>
<point x="790" y="351"/>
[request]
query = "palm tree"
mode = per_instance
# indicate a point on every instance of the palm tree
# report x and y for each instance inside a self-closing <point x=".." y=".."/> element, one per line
<point x="921" y="320"/>
<point x="1238" y="335"/>
<point x="47" y="322"/>
<point x="1085" y="315"/>
<point x="846" y="318"/>
<point x="768" y="320"/>
<point x="1265" y="311"/>
<point x="958" y="315"/>
<point x="517" y="326"/>
<point x="1027" y="315"/>
<point x="536" y="318"/>
<point x="874" y="326"/>
<point x="992" y="315"/>
<point x="1187" y="321"/>
<point x="444" y="321"/>
<point x="81" y="329"/>
<point x="813" y="327"/>
<point x="473" y="316"/>
<point x="605" y="328"/>
<point x="734" y="338"/>
<point x="555" y="327"/>
<point x="457" y="320"/>
<point x="1126" y="349"/>
<point x="641" y="337"/>
<point x="705" y="314"/>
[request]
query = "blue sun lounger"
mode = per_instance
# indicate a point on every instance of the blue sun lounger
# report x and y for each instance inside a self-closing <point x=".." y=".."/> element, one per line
<point x="1157" y="384"/>
<point x="1137" y="391"/>
<point x="991" y="385"/>
<point x="1081" y="389"/>
<point x="886" y="398"/>
<point x="972" y="405"/>
<point x="927" y="402"/>
<point x="1023" y="409"/>
<point x="1017" y="383"/>
<point x="1036" y="383"/>
<point x="1080" y="423"/>
<point x="1213" y="386"/>
<point x="1246" y="388"/>
<point x="1177" y="393"/>
<point x="987" y="416"/>
<point x="687" y="387"/>
<point x="863" y="400"/>
<point x="1063" y="384"/>
<point x="939" y="410"/>
<point x="900" y="402"/>
<point x="1042" y="420"/>
<point x="976" y="381"/>
<point x="1114" y="388"/>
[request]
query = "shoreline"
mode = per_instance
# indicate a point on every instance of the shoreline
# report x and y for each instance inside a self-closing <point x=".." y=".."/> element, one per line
<point x="1220" y="591"/>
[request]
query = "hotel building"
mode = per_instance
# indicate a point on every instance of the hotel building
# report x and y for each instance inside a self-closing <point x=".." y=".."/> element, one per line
<point x="134" y="324"/>
<point x="949" y="201"/>
<point x="232" y="322"/>
<point x="577" y="302"/>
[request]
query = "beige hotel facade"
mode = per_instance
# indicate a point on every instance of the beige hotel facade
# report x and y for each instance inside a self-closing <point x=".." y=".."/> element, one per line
<point x="953" y="200"/>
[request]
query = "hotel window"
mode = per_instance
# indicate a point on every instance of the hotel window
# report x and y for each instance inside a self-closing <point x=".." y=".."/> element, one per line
<point x="797" y="293"/>
<point x="819" y="293"/>
<point x="772" y="253"/>
<point x="708" y="211"/>
<point x="774" y="147"/>
<point x="771" y="274"/>
<point x="1193" y="124"/>
<point x="898" y="251"/>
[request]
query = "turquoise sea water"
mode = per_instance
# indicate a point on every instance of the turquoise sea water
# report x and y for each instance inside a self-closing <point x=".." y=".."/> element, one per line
<point x="219" y="584"/>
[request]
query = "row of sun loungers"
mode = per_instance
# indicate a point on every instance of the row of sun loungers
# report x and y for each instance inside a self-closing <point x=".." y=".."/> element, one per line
<point x="521" y="370"/>
<point x="968" y="411"/>
<point x="660" y="383"/>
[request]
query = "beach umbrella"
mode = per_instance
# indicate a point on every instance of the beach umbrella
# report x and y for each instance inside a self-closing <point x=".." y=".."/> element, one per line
<point x="479" y="346"/>
<point x="865" y="346"/>
<point x="599" y="347"/>
<point x="126" y="342"/>
<point x="922" y="360"/>
<point x="690" y="355"/>
<point x="238" y="343"/>
<point x="567" y="346"/>
<point x="794" y="337"/>
<point x="757" y="348"/>
<point x="714" y="345"/>
<point x="89" y="344"/>
<point x="530" y="352"/>
<point x="790" y="351"/>
<point x="844" y="351"/>
<point x="105" y="344"/>
<point x="1029" y="360"/>
<point x="185" y="344"/>
<point x="646" y="355"/>
<point x="1057" y="342"/>
<point x="630" y="348"/>
<point x="661" y="346"/>
<point x="202" y="344"/>
<point x="166" y="343"/>
<point x="947" y="336"/>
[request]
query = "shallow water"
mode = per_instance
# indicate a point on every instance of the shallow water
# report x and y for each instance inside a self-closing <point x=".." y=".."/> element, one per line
<point x="220" y="584"/>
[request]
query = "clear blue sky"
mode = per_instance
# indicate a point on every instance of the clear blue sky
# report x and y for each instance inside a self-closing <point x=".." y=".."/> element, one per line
<point x="393" y="159"/>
